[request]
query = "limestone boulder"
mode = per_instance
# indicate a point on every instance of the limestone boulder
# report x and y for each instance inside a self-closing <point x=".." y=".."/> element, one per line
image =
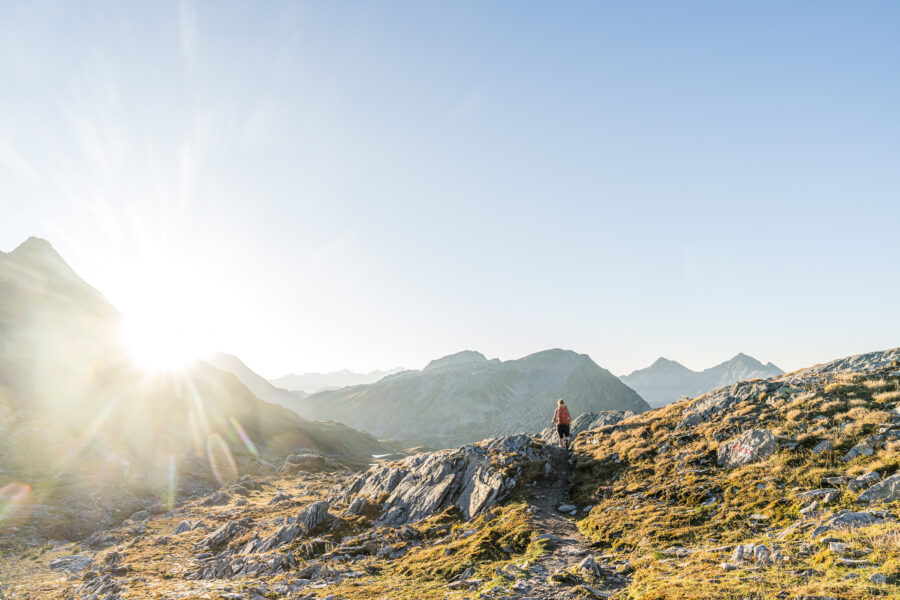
<point x="887" y="490"/>
<point x="749" y="447"/>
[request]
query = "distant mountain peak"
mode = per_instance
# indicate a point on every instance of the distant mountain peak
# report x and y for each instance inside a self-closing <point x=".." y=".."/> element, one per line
<point x="34" y="243"/>
<point x="35" y="266"/>
<point x="666" y="380"/>
<point x="465" y="357"/>
<point x="36" y="249"/>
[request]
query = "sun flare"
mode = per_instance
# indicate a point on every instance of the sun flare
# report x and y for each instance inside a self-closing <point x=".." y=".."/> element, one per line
<point x="161" y="337"/>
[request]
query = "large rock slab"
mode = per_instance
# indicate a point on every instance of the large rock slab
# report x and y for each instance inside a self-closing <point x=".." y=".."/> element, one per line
<point x="846" y="519"/>
<point x="887" y="490"/>
<point x="471" y="478"/>
<point x="723" y="399"/>
<point x="74" y="563"/>
<point x="749" y="447"/>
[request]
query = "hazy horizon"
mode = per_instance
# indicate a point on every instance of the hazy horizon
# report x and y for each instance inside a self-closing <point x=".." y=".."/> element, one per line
<point x="314" y="187"/>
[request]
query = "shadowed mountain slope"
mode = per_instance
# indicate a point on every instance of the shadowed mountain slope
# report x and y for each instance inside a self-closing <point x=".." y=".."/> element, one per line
<point x="91" y="433"/>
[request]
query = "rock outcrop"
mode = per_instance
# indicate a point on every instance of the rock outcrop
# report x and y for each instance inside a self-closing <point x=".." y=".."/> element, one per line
<point x="471" y="478"/>
<point x="720" y="401"/>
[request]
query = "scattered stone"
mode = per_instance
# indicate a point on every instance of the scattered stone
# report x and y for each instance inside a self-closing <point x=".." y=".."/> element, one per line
<point x="597" y="593"/>
<point x="141" y="515"/>
<point x="183" y="527"/>
<point x="841" y="480"/>
<point x="864" y="481"/>
<point x="759" y="554"/>
<point x="846" y="519"/>
<point x="74" y="563"/>
<point x="852" y="563"/>
<point x="280" y="498"/>
<point x="883" y="491"/>
<point x="221" y="536"/>
<point x="877" y="578"/>
<point x="749" y="447"/>
<point x="216" y="499"/>
<point x="823" y="446"/>
<point x="824" y="496"/>
<point x="861" y="449"/>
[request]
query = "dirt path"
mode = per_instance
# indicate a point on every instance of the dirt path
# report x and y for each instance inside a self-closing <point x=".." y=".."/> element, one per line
<point x="567" y="546"/>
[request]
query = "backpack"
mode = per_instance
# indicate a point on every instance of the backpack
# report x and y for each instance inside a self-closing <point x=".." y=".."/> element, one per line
<point x="564" y="417"/>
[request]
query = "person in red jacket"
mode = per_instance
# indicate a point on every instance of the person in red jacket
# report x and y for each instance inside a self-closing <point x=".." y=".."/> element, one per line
<point x="563" y="419"/>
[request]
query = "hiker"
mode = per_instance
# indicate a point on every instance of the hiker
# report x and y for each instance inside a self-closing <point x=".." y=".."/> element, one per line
<point x="562" y="418"/>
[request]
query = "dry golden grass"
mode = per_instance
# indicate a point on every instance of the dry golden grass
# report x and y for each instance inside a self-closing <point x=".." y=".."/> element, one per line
<point x="890" y="396"/>
<point x="878" y="384"/>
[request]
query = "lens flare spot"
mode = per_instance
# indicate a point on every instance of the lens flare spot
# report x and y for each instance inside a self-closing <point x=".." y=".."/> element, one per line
<point x="15" y="504"/>
<point x="220" y="459"/>
<point x="251" y="447"/>
<point x="168" y="494"/>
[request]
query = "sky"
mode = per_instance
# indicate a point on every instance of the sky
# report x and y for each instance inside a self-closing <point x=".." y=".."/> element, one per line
<point x="314" y="186"/>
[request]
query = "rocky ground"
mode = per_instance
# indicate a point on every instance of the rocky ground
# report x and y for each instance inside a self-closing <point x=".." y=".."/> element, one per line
<point x="776" y="489"/>
<point x="482" y="520"/>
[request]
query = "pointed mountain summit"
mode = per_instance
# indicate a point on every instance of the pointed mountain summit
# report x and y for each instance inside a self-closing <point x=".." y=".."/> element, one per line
<point x="666" y="380"/>
<point x="34" y="273"/>
<point x="461" y="360"/>
<point x="465" y="397"/>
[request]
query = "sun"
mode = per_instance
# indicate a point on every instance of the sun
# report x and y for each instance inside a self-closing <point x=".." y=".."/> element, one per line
<point x="161" y="336"/>
<point x="172" y="307"/>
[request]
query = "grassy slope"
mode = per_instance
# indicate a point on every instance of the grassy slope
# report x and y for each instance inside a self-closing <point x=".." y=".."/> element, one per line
<point x="646" y="502"/>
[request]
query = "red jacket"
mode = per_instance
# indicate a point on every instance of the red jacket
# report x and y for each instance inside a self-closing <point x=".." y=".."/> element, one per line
<point x="562" y="415"/>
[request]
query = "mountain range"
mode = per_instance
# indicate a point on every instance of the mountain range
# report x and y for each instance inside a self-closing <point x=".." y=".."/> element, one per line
<point x="666" y="380"/>
<point x="465" y="397"/>
<point x="779" y="489"/>
<point x="317" y="382"/>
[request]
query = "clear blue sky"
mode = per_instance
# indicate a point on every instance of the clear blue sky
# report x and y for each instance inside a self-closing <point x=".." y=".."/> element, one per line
<point x="341" y="184"/>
